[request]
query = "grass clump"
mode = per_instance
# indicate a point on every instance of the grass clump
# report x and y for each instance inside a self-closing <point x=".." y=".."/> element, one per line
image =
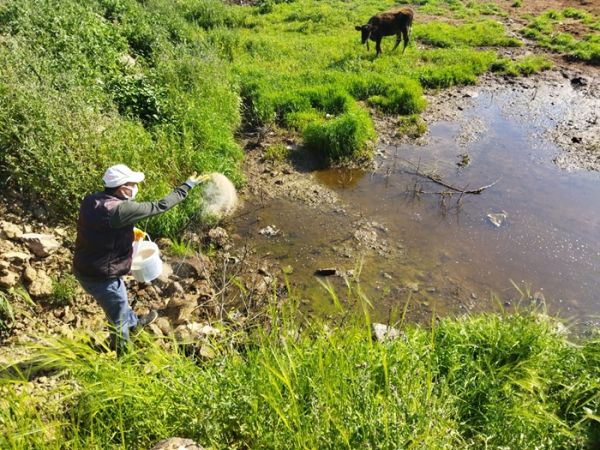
<point x="525" y="66"/>
<point x="7" y="315"/>
<point x="412" y="126"/>
<point x="545" y="29"/>
<point x="64" y="290"/>
<point x="487" y="33"/>
<point x="277" y="152"/>
<point x="500" y="381"/>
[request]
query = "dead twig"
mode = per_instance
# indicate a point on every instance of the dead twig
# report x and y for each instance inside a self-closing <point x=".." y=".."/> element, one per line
<point x="453" y="189"/>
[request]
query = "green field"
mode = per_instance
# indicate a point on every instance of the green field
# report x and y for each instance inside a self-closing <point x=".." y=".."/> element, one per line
<point x="164" y="86"/>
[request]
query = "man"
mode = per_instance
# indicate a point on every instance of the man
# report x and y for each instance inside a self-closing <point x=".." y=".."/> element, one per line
<point x="103" y="248"/>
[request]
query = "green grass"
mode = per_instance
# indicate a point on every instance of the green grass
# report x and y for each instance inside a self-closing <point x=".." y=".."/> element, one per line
<point x="490" y="381"/>
<point x="64" y="290"/>
<point x="277" y="152"/>
<point x="525" y="66"/>
<point x="163" y="86"/>
<point x="544" y="29"/>
<point x="88" y="84"/>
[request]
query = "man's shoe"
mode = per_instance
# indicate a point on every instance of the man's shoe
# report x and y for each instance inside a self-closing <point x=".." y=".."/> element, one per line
<point x="147" y="319"/>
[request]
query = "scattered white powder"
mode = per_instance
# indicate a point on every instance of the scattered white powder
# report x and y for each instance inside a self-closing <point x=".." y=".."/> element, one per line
<point x="219" y="196"/>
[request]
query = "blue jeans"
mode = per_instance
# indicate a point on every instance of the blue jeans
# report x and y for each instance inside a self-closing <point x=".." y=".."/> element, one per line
<point x="111" y="295"/>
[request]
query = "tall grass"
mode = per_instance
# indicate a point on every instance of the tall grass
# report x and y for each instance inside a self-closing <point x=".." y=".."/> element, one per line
<point x="163" y="86"/>
<point x="88" y="84"/>
<point x="489" y="381"/>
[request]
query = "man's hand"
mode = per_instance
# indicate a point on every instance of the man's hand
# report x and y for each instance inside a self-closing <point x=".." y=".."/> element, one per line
<point x="195" y="179"/>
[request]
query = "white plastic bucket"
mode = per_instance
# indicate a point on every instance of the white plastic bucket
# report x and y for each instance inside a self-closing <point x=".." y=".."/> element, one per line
<point x="146" y="265"/>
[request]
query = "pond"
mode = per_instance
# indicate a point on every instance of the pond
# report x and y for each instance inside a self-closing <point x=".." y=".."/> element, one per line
<point x="405" y="241"/>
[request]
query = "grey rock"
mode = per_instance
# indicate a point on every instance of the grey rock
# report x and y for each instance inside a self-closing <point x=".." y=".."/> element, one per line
<point x="16" y="258"/>
<point x="164" y="325"/>
<point x="42" y="245"/>
<point x="382" y="332"/>
<point x="176" y="443"/>
<point x="41" y="285"/>
<point x="10" y="230"/>
<point x="9" y="279"/>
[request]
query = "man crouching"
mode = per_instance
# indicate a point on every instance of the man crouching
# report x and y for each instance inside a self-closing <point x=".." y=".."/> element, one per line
<point x="103" y="248"/>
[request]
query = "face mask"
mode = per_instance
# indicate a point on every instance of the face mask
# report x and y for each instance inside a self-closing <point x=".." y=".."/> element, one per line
<point x="134" y="191"/>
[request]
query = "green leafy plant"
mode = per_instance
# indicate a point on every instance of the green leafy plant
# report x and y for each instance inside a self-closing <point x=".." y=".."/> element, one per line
<point x="7" y="315"/>
<point x="64" y="289"/>
<point x="276" y="152"/>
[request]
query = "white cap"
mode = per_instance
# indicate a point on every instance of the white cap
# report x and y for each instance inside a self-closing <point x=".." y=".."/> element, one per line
<point x="120" y="174"/>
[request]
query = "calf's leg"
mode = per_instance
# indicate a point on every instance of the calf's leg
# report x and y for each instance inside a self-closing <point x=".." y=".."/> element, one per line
<point x="405" y="35"/>
<point x="378" y="45"/>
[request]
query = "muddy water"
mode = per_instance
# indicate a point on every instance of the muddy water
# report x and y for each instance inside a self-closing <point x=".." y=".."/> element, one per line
<point x="445" y="254"/>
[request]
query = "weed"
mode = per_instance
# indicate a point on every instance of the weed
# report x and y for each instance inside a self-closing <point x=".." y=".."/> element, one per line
<point x="64" y="290"/>
<point x="180" y="247"/>
<point x="412" y="126"/>
<point x="7" y="315"/>
<point x="505" y="381"/>
<point x="277" y="152"/>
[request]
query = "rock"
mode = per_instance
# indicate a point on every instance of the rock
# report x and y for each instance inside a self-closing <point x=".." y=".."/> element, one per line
<point x="382" y="332"/>
<point x="155" y="329"/>
<point x="412" y="285"/>
<point x="202" y="289"/>
<point x="42" y="245"/>
<point x="173" y="289"/>
<point x="201" y="330"/>
<point x="176" y="443"/>
<point x="269" y="231"/>
<point x="218" y="236"/>
<point x="579" y="81"/>
<point x="9" y="279"/>
<point x="17" y="258"/>
<point x="30" y="274"/>
<point x="10" y="230"/>
<point x="167" y="271"/>
<point x="577" y="139"/>
<point x="326" y="271"/>
<point x="180" y="310"/>
<point x="498" y="219"/>
<point x="41" y="285"/>
<point x="196" y="266"/>
<point x="164" y="325"/>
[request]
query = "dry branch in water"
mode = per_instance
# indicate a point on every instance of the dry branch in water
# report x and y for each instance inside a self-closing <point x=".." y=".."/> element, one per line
<point x="453" y="189"/>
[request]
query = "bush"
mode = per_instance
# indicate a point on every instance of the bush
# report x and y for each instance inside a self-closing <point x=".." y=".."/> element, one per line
<point x="75" y="101"/>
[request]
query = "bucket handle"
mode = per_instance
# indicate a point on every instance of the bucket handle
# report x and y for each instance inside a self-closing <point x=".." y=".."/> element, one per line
<point x="136" y="243"/>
